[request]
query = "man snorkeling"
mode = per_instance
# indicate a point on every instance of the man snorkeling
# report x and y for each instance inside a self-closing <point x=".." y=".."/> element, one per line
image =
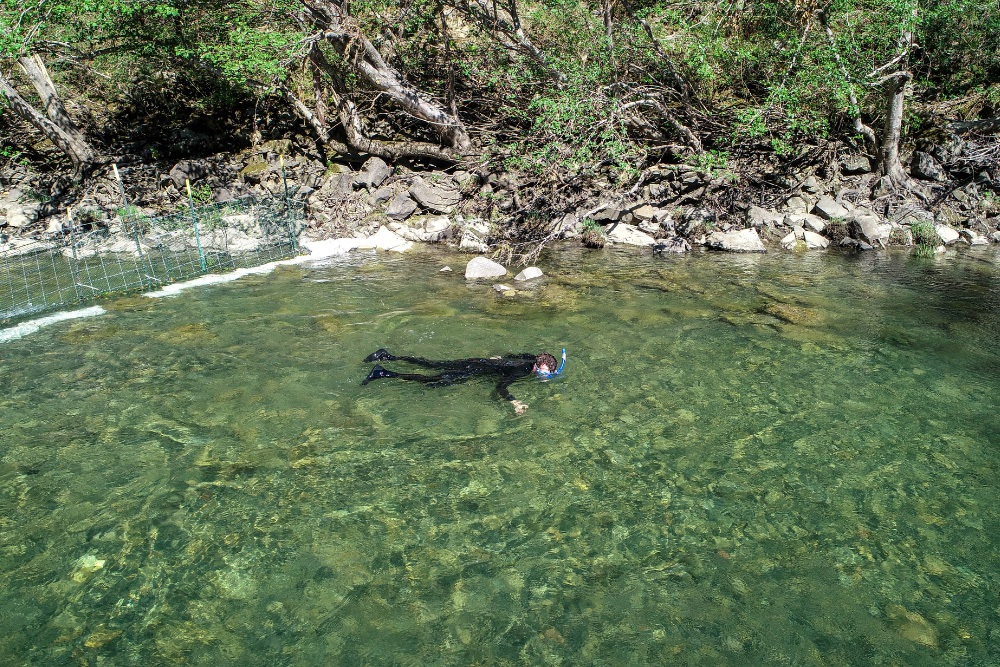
<point x="508" y="369"/>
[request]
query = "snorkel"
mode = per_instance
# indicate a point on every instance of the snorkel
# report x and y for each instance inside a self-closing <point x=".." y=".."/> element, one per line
<point x="545" y="375"/>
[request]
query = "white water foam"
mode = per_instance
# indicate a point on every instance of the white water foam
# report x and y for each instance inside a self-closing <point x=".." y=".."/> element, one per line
<point x="317" y="250"/>
<point x="31" y="326"/>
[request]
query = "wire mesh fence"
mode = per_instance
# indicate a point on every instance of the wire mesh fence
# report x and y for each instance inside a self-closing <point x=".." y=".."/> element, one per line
<point x="135" y="252"/>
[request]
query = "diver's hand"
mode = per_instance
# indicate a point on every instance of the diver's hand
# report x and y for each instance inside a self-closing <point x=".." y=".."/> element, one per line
<point x="519" y="407"/>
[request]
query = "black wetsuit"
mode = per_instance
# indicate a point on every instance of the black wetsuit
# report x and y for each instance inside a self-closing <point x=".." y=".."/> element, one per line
<point x="508" y="369"/>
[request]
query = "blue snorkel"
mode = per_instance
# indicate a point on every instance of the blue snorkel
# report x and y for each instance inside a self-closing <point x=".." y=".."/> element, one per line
<point x="548" y="376"/>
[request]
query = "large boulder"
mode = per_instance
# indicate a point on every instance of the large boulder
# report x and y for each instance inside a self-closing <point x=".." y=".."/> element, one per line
<point x="852" y="165"/>
<point x="762" y="217"/>
<point x="20" y="213"/>
<point x="529" y="273"/>
<point x="337" y="186"/>
<point x="608" y="213"/>
<point x="923" y="165"/>
<point x="867" y="228"/>
<point x="972" y="237"/>
<point x="385" y="239"/>
<point x="830" y="209"/>
<point x="437" y="198"/>
<point x="814" y="240"/>
<point x="798" y="204"/>
<point x="674" y="244"/>
<point x="400" y="207"/>
<point x="805" y="221"/>
<point x="193" y="170"/>
<point x="567" y="226"/>
<point x="424" y="230"/>
<point x="474" y="235"/>
<point x="743" y="240"/>
<point x="628" y="235"/>
<point x="946" y="234"/>
<point x="643" y="213"/>
<point x="373" y="173"/>
<point x="481" y="267"/>
<point x="382" y="194"/>
<point x="470" y="242"/>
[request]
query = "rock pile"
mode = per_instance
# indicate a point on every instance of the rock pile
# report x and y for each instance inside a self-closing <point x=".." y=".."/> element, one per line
<point x="677" y="207"/>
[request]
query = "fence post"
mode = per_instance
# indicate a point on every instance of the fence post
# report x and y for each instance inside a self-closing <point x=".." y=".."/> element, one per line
<point x="197" y="234"/>
<point x="288" y="208"/>
<point x="74" y="262"/>
<point x="134" y="224"/>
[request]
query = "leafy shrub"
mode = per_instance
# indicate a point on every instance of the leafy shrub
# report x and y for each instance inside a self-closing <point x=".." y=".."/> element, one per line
<point x="592" y="235"/>
<point x="925" y="237"/>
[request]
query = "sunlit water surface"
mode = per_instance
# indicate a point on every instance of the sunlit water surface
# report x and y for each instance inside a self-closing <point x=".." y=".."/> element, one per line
<point x="750" y="460"/>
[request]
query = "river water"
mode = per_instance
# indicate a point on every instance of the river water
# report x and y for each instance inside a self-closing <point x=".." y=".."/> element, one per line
<point x="779" y="459"/>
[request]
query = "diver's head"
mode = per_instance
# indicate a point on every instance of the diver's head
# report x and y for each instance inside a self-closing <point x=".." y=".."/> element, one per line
<point x="545" y="364"/>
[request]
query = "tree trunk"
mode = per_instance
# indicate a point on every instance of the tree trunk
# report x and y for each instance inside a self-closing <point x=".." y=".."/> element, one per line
<point x="352" y="124"/>
<point x="343" y="32"/>
<point x="889" y="155"/>
<point x="895" y="90"/>
<point x="39" y="77"/>
<point x="71" y="143"/>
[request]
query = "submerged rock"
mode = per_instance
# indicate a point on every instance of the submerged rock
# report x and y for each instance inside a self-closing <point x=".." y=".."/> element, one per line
<point x="792" y="314"/>
<point x="85" y="567"/>
<point x="911" y="625"/>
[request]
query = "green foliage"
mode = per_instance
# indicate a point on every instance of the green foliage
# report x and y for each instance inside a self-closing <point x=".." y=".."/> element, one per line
<point x="766" y="64"/>
<point x="247" y="53"/>
<point x="713" y="162"/>
<point x="925" y="237"/>
<point x="573" y="129"/>
<point x="962" y="40"/>
<point x="201" y="194"/>
<point x="11" y="153"/>
<point x="592" y="235"/>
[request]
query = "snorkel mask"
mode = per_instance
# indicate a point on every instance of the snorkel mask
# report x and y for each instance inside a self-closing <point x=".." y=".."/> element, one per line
<point x="548" y="376"/>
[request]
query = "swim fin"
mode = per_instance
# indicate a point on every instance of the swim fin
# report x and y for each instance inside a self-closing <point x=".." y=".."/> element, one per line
<point x="377" y="373"/>
<point x="381" y="354"/>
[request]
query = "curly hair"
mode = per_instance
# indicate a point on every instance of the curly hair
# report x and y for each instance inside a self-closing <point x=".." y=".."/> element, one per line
<point x="546" y="359"/>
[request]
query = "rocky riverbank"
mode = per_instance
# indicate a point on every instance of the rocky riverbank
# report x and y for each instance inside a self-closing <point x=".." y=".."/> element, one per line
<point x="671" y="208"/>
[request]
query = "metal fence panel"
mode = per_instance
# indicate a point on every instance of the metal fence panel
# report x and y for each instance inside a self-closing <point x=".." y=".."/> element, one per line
<point x="135" y="253"/>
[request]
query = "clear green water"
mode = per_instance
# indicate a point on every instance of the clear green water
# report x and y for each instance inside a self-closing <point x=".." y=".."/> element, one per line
<point x="786" y="460"/>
